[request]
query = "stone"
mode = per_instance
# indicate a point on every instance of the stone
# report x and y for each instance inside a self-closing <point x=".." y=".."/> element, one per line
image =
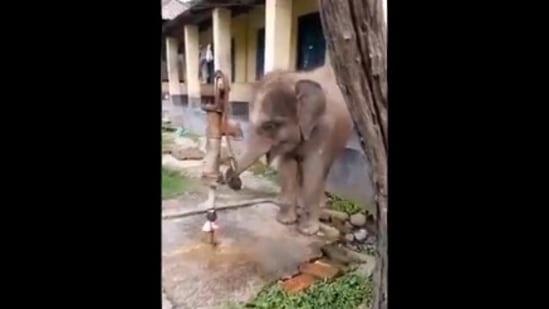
<point x="340" y="225"/>
<point x="336" y="253"/>
<point x="185" y="142"/>
<point x="349" y="237"/>
<point x="355" y="256"/>
<point x="362" y="306"/>
<point x="358" y="220"/>
<point x="367" y="267"/>
<point x="324" y="217"/>
<point x="347" y="227"/>
<point x="338" y="215"/>
<point x="329" y="231"/>
<point x="370" y="240"/>
<point x="352" y="246"/>
<point x="192" y="153"/>
<point x="370" y="247"/>
<point x="320" y="269"/>
<point x="360" y="234"/>
<point x="298" y="283"/>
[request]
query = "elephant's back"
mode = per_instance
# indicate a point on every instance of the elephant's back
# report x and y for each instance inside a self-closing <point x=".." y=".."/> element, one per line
<point x="335" y="105"/>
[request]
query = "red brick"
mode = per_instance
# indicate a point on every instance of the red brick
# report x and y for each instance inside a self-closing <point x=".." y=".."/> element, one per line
<point x="320" y="270"/>
<point x="298" y="283"/>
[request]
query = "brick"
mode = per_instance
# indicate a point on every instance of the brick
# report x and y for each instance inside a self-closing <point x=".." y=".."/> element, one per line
<point x="320" y="270"/>
<point x="298" y="283"/>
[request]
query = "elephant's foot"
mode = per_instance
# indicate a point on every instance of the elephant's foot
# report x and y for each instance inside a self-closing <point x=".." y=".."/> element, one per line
<point x="308" y="227"/>
<point x="287" y="216"/>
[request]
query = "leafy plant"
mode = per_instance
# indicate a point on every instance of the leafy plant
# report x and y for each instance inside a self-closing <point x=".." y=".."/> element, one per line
<point x="338" y="203"/>
<point x="346" y="292"/>
<point x="261" y="169"/>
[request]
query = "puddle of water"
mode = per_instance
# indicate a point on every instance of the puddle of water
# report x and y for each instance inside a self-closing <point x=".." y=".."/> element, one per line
<point x="234" y="258"/>
<point x="253" y="250"/>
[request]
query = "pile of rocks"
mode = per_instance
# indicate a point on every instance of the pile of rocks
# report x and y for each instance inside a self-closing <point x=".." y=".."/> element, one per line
<point x="357" y="236"/>
<point x="185" y="148"/>
<point x="354" y="231"/>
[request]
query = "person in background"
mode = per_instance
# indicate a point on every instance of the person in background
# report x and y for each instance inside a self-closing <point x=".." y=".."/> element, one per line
<point x="209" y="62"/>
<point x="203" y="65"/>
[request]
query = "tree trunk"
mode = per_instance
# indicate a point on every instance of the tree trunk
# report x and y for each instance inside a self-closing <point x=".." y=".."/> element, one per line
<point x="356" y="36"/>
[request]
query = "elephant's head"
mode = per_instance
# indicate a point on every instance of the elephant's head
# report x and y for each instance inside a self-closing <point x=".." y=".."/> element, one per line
<point x="284" y="114"/>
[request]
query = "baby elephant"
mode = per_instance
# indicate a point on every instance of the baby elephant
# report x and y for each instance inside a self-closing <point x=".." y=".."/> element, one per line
<point x="300" y="118"/>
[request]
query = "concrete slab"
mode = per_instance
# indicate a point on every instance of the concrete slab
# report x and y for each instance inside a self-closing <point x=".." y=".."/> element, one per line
<point x="254" y="250"/>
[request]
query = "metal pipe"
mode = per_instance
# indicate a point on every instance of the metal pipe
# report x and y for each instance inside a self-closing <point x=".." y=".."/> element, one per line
<point x="214" y="117"/>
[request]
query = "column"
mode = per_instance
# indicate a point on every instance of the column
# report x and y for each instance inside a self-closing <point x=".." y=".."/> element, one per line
<point x="278" y="30"/>
<point x="172" y="65"/>
<point x="174" y="87"/>
<point x="222" y="40"/>
<point x="191" y="65"/>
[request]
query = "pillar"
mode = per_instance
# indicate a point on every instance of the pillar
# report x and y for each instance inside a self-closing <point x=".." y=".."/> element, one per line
<point x="181" y="59"/>
<point x="191" y="65"/>
<point x="174" y="87"/>
<point x="172" y="65"/>
<point x="278" y="30"/>
<point x="222" y="40"/>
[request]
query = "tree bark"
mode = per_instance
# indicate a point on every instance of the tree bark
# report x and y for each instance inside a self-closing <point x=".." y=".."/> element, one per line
<point x="356" y="37"/>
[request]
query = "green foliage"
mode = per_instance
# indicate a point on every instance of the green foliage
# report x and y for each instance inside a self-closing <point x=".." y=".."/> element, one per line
<point x="338" y="203"/>
<point x="346" y="292"/>
<point x="260" y="169"/>
<point x="173" y="183"/>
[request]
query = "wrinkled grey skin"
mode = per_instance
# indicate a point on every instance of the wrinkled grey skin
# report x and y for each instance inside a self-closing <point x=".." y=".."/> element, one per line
<point x="300" y="118"/>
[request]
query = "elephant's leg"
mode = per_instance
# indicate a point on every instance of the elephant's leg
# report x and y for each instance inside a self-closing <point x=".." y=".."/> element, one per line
<point x="312" y="190"/>
<point x="289" y="188"/>
<point x="302" y="209"/>
<point x="323" y="199"/>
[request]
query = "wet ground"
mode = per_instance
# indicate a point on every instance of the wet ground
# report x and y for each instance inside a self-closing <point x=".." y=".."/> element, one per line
<point x="253" y="248"/>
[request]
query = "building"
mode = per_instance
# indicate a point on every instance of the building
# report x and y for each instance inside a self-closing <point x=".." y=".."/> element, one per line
<point x="249" y="38"/>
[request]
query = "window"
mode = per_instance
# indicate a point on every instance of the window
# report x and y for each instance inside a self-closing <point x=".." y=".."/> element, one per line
<point x="233" y="74"/>
<point x="260" y="54"/>
<point x="311" y="44"/>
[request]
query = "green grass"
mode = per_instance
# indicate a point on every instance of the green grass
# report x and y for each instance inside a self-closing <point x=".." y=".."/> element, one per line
<point x="261" y="169"/>
<point x="174" y="183"/>
<point x="338" y="203"/>
<point x="346" y="292"/>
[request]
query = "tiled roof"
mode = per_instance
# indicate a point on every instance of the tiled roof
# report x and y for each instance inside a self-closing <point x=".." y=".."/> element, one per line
<point x="172" y="8"/>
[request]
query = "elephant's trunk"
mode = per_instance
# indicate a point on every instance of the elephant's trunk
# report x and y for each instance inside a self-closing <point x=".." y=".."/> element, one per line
<point x="256" y="146"/>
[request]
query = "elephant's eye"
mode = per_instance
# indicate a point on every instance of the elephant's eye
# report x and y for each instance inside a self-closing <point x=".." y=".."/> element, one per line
<point x="269" y="126"/>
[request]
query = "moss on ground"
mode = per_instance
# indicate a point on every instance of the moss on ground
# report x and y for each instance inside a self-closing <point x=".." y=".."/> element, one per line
<point x="346" y="292"/>
<point x="345" y="205"/>
<point x="174" y="183"/>
<point x="261" y="169"/>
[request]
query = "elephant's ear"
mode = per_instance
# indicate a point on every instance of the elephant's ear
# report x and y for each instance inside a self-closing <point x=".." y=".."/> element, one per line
<point x="311" y="105"/>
